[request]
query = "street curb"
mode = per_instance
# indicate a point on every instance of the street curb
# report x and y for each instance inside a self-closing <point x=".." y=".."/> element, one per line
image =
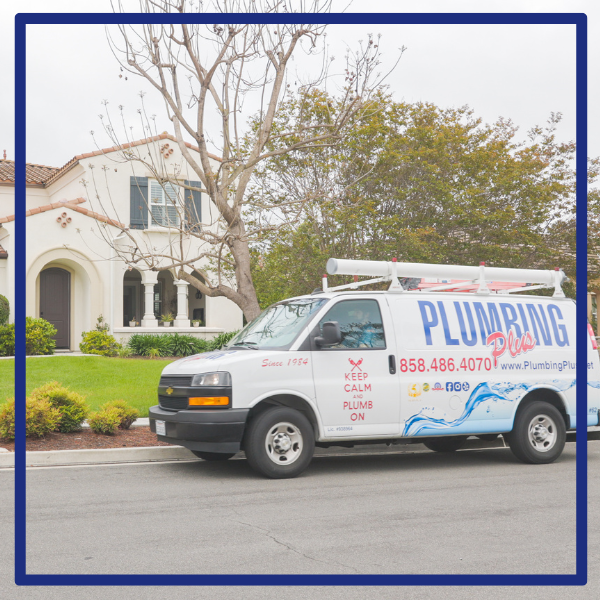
<point x="168" y="453"/>
<point x="96" y="456"/>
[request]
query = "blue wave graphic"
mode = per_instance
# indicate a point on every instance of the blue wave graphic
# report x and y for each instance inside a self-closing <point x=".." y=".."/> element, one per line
<point x="594" y="384"/>
<point x="494" y="392"/>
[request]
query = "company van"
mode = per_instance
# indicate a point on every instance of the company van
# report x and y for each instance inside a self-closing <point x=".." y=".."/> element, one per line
<point x="462" y="352"/>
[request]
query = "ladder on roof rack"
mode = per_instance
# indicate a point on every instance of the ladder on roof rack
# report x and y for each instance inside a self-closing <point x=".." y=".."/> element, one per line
<point x="468" y="276"/>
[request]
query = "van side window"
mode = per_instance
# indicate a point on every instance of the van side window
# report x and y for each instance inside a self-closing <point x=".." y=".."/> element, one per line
<point x="360" y="324"/>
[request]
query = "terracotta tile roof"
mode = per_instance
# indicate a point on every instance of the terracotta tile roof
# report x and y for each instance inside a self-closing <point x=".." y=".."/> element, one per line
<point x="45" y="176"/>
<point x="34" y="174"/>
<point x="97" y="216"/>
<point x="41" y="209"/>
<point x="73" y="205"/>
<point x="75" y="160"/>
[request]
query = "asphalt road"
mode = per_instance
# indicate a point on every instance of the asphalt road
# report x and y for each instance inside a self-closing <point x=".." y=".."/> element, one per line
<point x="475" y="511"/>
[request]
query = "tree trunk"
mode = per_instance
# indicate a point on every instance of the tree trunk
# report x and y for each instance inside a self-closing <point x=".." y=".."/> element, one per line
<point x="243" y="276"/>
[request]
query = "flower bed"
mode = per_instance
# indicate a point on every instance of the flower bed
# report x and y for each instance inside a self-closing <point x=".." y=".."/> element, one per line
<point x="87" y="439"/>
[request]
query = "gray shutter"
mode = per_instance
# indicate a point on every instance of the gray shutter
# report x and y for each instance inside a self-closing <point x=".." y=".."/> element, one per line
<point x="138" y="203"/>
<point x="193" y="204"/>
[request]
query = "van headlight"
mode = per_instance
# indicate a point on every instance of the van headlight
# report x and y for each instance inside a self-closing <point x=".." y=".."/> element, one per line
<point x="213" y="379"/>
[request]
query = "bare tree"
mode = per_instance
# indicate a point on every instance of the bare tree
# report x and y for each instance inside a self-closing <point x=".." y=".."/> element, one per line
<point x="212" y="78"/>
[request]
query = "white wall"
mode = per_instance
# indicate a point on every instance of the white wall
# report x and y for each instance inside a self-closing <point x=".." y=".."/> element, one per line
<point x="221" y="312"/>
<point x="81" y="248"/>
<point x="7" y="274"/>
<point x="7" y="200"/>
<point x="68" y="186"/>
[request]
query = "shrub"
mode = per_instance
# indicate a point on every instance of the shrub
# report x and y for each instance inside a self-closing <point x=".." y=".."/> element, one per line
<point x="7" y="340"/>
<point x="99" y="342"/>
<point x="45" y="390"/>
<point x="7" y="420"/>
<point x="101" y="324"/>
<point x="154" y="353"/>
<point x="71" y="405"/>
<point x="181" y="345"/>
<point x="142" y="343"/>
<point x="174" y="344"/>
<point x="40" y="418"/>
<point x="106" y="421"/>
<point x="128" y="413"/>
<point x="38" y="336"/>
<point x="221" y="340"/>
<point x="4" y="310"/>
<point x="201" y="346"/>
<point x="124" y="351"/>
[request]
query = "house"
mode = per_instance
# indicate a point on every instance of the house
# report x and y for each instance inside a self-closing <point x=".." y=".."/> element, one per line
<point x="75" y="221"/>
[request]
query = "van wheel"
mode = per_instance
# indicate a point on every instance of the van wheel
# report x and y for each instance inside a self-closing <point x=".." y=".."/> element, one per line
<point x="539" y="434"/>
<point x="212" y="455"/>
<point x="279" y="443"/>
<point x="446" y="444"/>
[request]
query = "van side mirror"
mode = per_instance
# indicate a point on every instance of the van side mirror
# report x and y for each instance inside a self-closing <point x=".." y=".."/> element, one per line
<point x="331" y="335"/>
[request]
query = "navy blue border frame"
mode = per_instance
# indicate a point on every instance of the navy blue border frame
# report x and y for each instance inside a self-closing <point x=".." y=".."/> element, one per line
<point x="580" y="576"/>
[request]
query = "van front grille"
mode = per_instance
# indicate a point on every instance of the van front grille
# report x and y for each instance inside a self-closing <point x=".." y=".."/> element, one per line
<point x="176" y="380"/>
<point x="173" y="402"/>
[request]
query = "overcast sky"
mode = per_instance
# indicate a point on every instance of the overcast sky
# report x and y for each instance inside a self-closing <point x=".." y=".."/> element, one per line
<point x="521" y="72"/>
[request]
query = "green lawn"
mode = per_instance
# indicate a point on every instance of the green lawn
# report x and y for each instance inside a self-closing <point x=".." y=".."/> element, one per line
<point x="99" y="379"/>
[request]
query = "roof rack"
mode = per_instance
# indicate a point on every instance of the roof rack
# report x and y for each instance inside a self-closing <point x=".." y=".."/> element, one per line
<point x="482" y="277"/>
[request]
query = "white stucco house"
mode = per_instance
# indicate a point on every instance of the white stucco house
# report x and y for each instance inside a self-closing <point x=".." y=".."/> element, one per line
<point x="73" y="275"/>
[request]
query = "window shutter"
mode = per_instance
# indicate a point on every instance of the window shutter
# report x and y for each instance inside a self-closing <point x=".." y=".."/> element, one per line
<point x="138" y="203"/>
<point x="193" y="206"/>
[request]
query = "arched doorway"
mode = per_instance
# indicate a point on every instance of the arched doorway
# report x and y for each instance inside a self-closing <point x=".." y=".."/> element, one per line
<point x="55" y="303"/>
<point x="132" y="297"/>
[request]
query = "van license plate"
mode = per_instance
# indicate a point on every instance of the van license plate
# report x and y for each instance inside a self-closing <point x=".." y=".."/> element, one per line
<point x="160" y="428"/>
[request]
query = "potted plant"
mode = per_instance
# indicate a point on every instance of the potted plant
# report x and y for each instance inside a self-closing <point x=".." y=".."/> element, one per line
<point x="166" y="319"/>
<point x="133" y="322"/>
<point x="197" y="323"/>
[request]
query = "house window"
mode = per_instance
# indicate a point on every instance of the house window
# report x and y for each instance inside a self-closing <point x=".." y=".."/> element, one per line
<point x="158" y="299"/>
<point x="164" y="204"/>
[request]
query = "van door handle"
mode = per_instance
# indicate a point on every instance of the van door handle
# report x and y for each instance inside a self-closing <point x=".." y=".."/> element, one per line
<point x="392" y="363"/>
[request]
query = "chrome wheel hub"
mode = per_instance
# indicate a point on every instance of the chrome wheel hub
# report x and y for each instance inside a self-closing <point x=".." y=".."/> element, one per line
<point x="283" y="443"/>
<point x="542" y="433"/>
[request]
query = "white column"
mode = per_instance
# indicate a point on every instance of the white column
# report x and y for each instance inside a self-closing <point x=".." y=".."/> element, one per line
<point x="149" y="279"/>
<point x="182" y="319"/>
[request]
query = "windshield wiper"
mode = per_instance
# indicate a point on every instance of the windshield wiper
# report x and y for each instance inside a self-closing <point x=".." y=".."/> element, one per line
<point x="251" y="345"/>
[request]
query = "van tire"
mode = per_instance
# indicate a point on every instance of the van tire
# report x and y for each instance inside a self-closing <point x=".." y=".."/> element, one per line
<point x="279" y="443"/>
<point x="446" y="444"/>
<point x="212" y="455"/>
<point x="539" y="433"/>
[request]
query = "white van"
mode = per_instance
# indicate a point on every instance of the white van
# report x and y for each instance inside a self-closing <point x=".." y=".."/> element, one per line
<point x="346" y="367"/>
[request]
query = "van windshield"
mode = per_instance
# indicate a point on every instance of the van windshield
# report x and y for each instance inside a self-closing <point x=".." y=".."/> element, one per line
<point x="278" y="326"/>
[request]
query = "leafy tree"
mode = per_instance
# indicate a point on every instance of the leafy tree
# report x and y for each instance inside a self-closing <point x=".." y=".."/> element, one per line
<point x="423" y="184"/>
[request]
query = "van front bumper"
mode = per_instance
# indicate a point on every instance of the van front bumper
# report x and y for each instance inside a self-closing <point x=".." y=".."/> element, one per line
<point x="202" y="430"/>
